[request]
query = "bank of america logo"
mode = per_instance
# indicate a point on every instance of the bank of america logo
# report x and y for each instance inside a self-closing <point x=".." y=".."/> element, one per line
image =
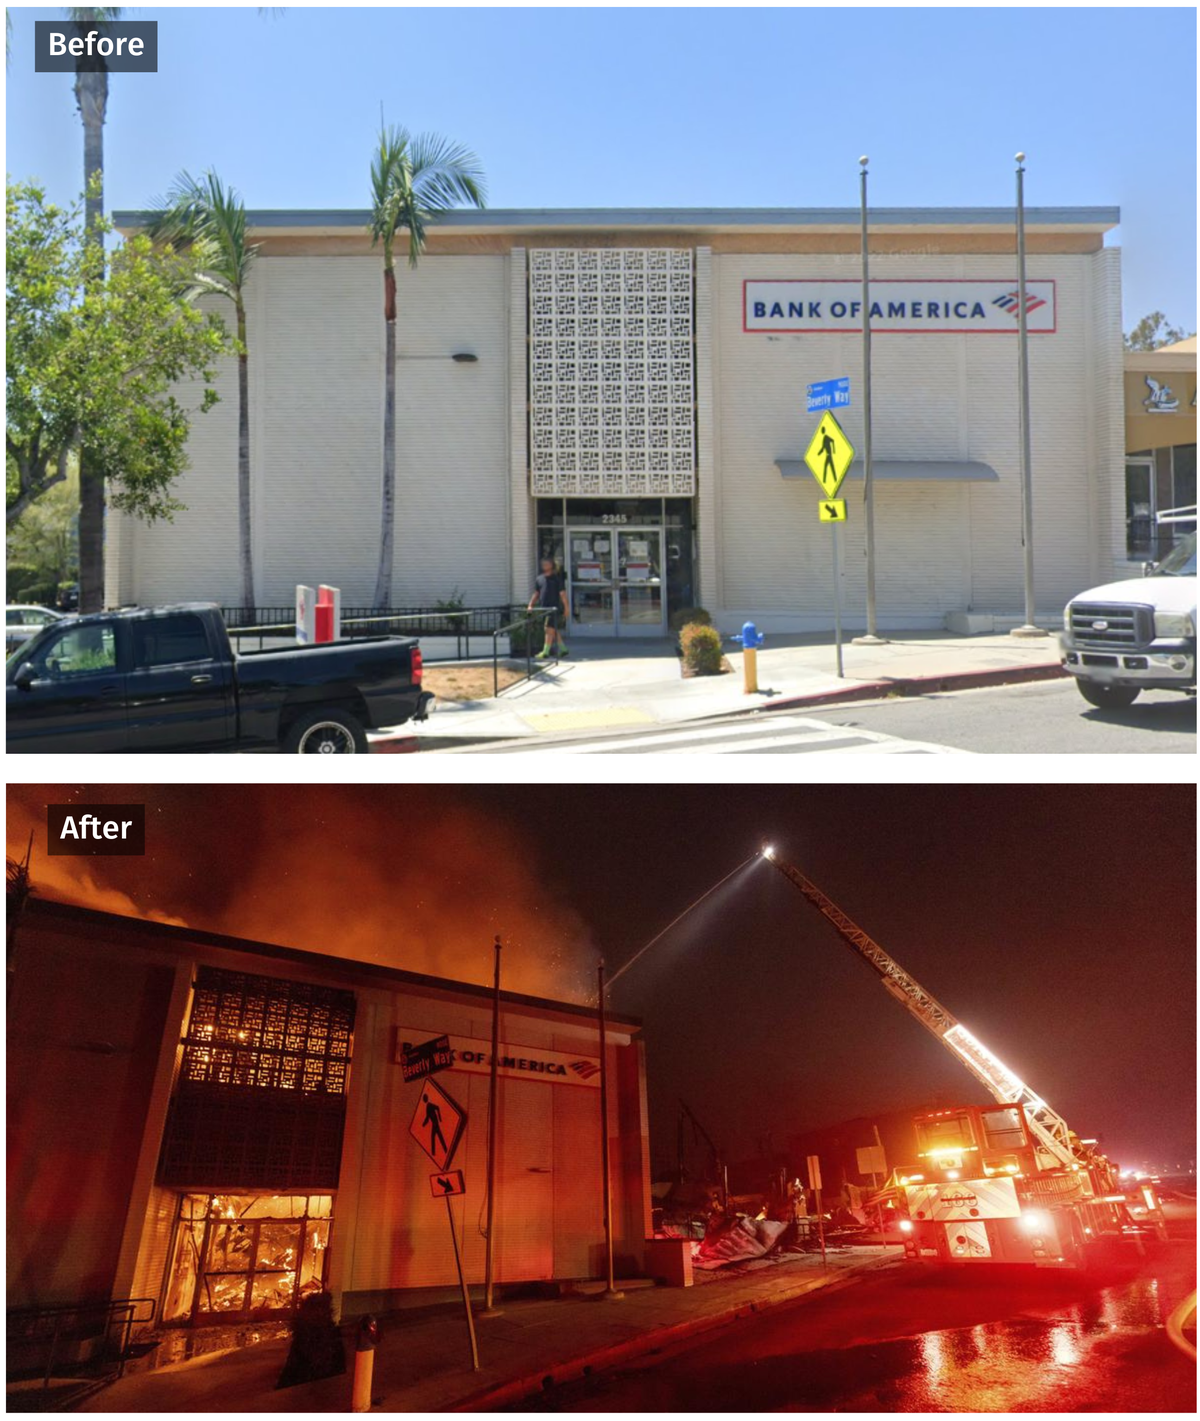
<point x="586" y="1069"/>
<point x="1011" y="302"/>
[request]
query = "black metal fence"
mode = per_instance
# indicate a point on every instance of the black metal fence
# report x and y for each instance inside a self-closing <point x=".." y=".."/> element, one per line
<point x="473" y="631"/>
<point x="86" y="1342"/>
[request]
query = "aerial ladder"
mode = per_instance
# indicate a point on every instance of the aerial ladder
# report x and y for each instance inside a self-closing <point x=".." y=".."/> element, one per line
<point x="1057" y="1167"/>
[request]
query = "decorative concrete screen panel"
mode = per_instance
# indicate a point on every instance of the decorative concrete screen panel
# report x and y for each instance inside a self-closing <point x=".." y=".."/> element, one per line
<point x="611" y="379"/>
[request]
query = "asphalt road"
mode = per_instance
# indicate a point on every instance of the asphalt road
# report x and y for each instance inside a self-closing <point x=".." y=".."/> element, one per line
<point x="904" y="1339"/>
<point x="1042" y="717"/>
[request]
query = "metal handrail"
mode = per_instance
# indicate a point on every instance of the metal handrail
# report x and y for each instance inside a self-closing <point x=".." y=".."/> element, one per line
<point x="523" y="621"/>
<point x="27" y="1319"/>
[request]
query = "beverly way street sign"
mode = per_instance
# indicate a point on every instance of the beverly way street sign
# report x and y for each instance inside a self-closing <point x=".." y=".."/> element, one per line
<point x="832" y="510"/>
<point x="437" y="1124"/>
<point x="424" y="1060"/>
<point x="449" y="1181"/>
<point x="829" y="455"/>
<point x="829" y="394"/>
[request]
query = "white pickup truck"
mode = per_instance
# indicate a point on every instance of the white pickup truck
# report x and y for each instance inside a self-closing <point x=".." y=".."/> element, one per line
<point x="1127" y="637"/>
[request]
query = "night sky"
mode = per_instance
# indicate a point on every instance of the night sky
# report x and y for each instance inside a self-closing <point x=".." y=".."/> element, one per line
<point x="1057" y="923"/>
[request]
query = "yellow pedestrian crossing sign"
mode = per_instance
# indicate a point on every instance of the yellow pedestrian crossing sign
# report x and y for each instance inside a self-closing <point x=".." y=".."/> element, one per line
<point x="829" y="456"/>
<point x="832" y="510"/>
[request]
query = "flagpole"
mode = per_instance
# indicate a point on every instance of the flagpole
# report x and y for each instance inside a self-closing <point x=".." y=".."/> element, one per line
<point x="489" y="1308"/>
<point x="871" y="637"/>
<point x="610" y="1290"/>
<point x="1030" y="628"/>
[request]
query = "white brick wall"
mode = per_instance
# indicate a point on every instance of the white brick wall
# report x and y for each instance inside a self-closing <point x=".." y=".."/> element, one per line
<point x="316" y="390"/>
<point x="941" y="547"/>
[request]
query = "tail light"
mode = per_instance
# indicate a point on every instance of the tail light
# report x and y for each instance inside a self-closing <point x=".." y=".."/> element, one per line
<point x="418" y="665"/>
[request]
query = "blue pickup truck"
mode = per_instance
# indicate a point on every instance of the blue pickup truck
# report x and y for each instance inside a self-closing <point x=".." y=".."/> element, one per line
<point x="167" y="679"/>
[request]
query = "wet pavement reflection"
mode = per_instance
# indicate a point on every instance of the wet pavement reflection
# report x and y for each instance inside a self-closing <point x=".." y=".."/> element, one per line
<point x="908" y="1340"/>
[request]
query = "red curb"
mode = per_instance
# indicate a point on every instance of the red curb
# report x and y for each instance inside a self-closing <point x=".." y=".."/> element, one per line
<point x="923" y="685"/>
<point x="394" y="745"/>
<point x="612" y="1353"/>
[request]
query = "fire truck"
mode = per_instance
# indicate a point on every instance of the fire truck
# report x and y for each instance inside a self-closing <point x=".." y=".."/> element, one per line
<point x="1007" y="1183"/>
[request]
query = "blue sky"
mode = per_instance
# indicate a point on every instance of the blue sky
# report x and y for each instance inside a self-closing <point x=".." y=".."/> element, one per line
<point x="664" y="107"/>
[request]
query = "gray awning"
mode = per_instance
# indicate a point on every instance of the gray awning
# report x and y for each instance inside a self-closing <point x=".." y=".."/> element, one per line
<point x="906" y="470"/>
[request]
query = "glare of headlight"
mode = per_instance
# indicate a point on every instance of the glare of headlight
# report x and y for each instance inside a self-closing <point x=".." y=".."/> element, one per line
<point x="768" y="852"/>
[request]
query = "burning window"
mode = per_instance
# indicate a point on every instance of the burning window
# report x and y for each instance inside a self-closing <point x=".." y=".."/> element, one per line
<point x="260" y="1031"/>
<point x="241" y="1256"/>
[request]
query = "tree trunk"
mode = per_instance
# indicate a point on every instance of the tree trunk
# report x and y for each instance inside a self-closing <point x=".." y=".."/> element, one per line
<point x="91" y="94"/>
<point x="247" y="556"/>
<point x="383" y="579"/>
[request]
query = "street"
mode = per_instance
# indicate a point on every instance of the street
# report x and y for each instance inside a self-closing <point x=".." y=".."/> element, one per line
<point x="904" y="1339"/>
<point x="1043" y="717"/>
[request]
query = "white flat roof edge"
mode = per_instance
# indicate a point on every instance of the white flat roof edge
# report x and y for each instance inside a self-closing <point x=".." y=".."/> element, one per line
<point x="1099" y="219"/>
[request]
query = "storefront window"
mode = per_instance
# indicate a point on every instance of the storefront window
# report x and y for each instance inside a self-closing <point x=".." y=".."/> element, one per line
<point x="1183" y="476"/>
<point x="1140" y="529"/>
<point x="247" y="1255"/>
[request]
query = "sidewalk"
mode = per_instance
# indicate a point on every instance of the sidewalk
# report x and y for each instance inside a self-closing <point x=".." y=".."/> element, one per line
<point x="615" y="683"/>
<point x="423" y="1363"/>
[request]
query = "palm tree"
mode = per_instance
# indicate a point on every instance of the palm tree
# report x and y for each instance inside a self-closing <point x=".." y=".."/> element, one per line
<point x="91" y="95"/>
<point x="209" y="219"/>
<point x="413" y="181"/>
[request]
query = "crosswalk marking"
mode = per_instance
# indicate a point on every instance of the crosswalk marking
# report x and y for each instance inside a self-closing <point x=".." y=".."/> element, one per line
<point x="776" y="734"/>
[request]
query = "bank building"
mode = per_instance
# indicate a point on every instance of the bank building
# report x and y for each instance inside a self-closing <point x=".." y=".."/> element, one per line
<point x="624" y="391"/>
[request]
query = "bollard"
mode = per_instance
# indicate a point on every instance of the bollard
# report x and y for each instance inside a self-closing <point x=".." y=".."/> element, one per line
<point x="364" y="1363"/>
<point x="751" y="639"/>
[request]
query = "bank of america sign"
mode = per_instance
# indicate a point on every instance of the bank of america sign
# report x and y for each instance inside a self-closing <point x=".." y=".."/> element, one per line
<point x="902" y="306"/>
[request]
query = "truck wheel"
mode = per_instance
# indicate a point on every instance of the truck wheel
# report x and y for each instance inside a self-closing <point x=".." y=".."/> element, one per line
<point x="1107" y="697"/>
<point x="326" y="732"/>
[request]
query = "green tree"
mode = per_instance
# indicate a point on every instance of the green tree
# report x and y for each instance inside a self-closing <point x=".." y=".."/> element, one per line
<point x="44" y="538"/>
<point x="1153" y="331"/>
<point x="413" y="181"/>
<point x="207" y="220"/>
<point x="91" y="97"/>
<point x="94" y="364"/>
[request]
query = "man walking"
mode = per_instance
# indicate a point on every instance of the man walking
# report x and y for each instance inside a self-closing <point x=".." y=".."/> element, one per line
<point x="550" y="593"/>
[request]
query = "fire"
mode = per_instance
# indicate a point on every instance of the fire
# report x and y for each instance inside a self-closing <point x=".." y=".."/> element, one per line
<point x="402" y="876"/>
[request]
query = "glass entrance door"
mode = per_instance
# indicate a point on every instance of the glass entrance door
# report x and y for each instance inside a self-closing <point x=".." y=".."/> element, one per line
<point x="617" y="587"/>
<point x="640" y="602"/>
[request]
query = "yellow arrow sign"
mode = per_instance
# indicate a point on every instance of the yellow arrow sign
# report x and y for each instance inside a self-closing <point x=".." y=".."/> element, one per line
<point x="829" y="455"/>
<point x="832" y="510"/>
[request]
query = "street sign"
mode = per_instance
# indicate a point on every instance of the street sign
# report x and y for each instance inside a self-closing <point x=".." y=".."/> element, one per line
<point x="829" y="394"/>
<point x="814" y="1172"/>
<point x="871" y="1159"/>
<point x="423" y="1060"/>
<point x="437" y="1124"/>
<point x="832" y="510"/>
<point x="449" y="1181"/>
<point x="829" y="455"/>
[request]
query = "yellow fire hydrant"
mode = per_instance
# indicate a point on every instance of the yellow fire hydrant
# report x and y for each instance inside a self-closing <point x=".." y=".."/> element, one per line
<point x="364" y="1363"/>
<point x="751" y="639"/>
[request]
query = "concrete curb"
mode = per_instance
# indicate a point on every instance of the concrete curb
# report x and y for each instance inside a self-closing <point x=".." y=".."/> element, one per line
<point x="923" y="685"/>
<point x="613" y="1353"/>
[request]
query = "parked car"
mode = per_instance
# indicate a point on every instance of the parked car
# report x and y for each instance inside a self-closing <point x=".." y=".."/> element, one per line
<point x="23" y="620"/>
<point x="167" y="678"/>
<point x="1127" y="637"/>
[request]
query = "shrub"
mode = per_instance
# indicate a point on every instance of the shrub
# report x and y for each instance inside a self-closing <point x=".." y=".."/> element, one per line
<point x="701" y="646"/>
<point x="26" y="583"/>
<point x="689" y="616"/>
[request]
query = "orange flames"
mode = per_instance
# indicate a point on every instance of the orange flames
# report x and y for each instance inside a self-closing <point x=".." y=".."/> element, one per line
<point x="412" y="878"/>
